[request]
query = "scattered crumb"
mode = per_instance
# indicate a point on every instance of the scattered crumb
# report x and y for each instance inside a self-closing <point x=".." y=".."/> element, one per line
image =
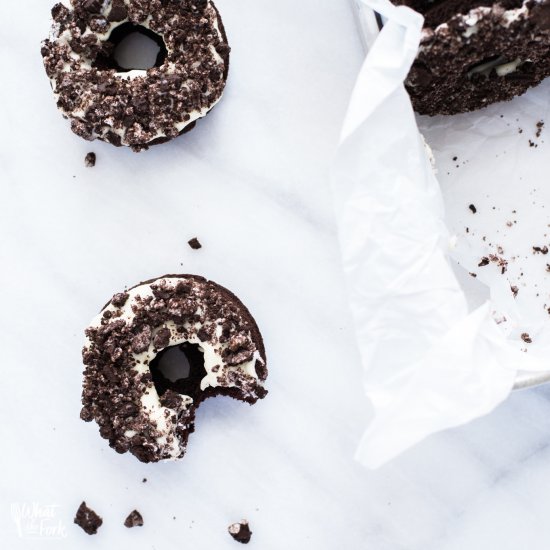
<point x="540" y="250"/>
<point x="87" y="519"/>
<point x="501" y="262"/>
<point x="532" y="144"/>
<point x="144" y="480"/>
<point x="134" y="519"/>
<point x="455" y="158"/>
<point x="540" y="126"/>
<point x="484" y="261"/>
<point x="474" y="275"/>
<point x="472" y="208"/>
<point x="515" y="290"/>
<point x="195" y="244"/>
<point x="240" y="532"/>
<point x="90" y="159"/>
<point x="526" y="338"/>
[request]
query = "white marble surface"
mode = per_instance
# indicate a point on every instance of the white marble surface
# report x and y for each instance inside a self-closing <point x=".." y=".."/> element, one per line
<point x="252" y="183"/>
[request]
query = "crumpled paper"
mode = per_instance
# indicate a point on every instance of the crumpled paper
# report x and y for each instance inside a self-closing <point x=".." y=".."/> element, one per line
<point x="431" y="360"/>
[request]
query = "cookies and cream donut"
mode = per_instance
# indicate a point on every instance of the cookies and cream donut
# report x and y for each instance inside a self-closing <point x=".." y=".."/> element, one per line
<point x="132" y="386"/>
<point x="476" y="52"/>
<point x="136" y="108"/>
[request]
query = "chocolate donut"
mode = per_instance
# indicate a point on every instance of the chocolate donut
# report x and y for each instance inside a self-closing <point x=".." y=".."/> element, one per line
<point x="136" y="108"/>
<point x="476" y="52"/>
<point x="183" y="323"/>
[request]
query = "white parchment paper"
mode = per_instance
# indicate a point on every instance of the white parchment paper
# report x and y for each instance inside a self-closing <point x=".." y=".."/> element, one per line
<point x="438" y="349"/>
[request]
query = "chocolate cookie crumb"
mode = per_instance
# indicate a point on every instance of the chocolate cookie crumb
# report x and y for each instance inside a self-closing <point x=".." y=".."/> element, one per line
<point x="144" y="480"/>
<point x="501" y="262"/>
<point x="240" y="532"/>
<point x="87" y="519"/>
<point x="195" y="244"/>
<point x="484" y="261"/>
<point x="135" y="519"/>
<point x="472" y="208"/>
<point x="515" y="290"/>
<point x="90" y="159"/>
<point x="118" y="300"/>
<point x="540" y="250"/>
<point x="526" y="338"/>
<point x="540" y="126"/>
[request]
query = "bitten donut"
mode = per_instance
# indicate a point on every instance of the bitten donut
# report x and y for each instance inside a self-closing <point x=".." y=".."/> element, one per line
<point x="156" y="352"/>
<point x="476" y="52"/>
<point x="136" y="108"/>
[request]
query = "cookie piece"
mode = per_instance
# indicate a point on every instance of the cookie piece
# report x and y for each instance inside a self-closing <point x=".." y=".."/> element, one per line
<point x="195" y="244"/>
<point x="90" y="160"/>
<point x="240" y="531"/>
<point x="134" y="519"/>
<point x="88" y="519"/>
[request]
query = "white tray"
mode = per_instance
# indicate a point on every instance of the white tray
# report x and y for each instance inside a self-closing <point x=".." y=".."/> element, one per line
<point x="369" y="23"/>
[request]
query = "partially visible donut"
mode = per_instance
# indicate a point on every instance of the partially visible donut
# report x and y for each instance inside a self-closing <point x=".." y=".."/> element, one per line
<point x="136" y="108"/>
<point x="137" y="407"/>
<point x="476" y="52"/>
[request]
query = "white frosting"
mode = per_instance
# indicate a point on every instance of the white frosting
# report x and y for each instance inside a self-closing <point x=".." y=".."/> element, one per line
<point x="500" y="65"/>
<point x="508" y="68"/>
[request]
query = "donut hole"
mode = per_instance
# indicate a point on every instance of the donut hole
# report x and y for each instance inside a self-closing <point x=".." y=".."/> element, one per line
<point x="133" y="47"/>
<point x="180" y="369"/>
